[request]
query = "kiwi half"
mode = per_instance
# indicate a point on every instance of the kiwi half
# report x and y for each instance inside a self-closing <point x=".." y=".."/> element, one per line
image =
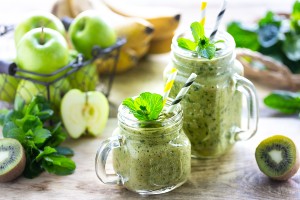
<point x="277" y="157"/>
<point x="12" y="159"/>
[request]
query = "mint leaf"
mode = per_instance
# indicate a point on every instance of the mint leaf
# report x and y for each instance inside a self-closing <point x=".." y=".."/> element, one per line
<point x="187" y="44"/>
<point x="146" y="107"/>
<point x="65" y="151"/>
<point x="202" y="45"/>
<point x="58" y="164"/>
<point x="47" y="151"/>
<point x="41" y="135"/>
<point x="208" y="51"/>
<point x="197" y="30"/>
<point x="284" y="101"/>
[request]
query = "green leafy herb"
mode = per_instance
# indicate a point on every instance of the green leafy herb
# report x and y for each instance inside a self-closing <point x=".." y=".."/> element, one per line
<point x="295" y="17"/>
<point x="272" y="36"/>
<point x="284" y="101"/>
<point x="201" y="44"/>
<point x="29" y="124"/>
<point x="145" y="107"/>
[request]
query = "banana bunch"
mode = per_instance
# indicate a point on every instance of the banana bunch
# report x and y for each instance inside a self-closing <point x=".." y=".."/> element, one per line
<point x="165" y="21"/>
<point x="146" y="31"/>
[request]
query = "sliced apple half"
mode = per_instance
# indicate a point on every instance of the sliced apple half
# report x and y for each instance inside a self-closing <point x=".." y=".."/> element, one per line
<point x="84" y="112"/>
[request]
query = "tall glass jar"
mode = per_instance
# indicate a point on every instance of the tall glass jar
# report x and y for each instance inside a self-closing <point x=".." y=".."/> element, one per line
<point x="149" y="157"/>
<point x="213" y="105"/>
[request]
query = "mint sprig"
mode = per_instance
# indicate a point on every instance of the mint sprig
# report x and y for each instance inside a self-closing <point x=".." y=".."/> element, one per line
<point x="30" y="125"/>
<point x="201" y="44"/>
<point x="145" y="107"/>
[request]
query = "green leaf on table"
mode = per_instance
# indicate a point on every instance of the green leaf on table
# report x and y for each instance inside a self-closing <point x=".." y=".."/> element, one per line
<point x="145" y="107"/>
<point x="244" y="36"/>
<point x="284" y="101"/>
<point x="58" y="164"/>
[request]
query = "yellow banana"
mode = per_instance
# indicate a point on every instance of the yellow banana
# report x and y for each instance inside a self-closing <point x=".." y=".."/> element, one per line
<point x="127" y="60"/>
<point x="164" y="19"/>
<point x="161" y="46"/>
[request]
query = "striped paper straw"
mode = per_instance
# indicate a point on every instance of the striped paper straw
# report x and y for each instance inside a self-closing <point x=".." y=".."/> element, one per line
<point x="169" y="84"/>
<point x="182" y="92"/>
<point x="218" y="21"/>
<point x="203" y="12"/>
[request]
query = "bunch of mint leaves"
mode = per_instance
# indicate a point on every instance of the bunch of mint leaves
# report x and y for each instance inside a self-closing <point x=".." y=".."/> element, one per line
<point x="146" y="107"/>
<point x="274" y="35"/>
<point x="31" y="125"/>
<point x="201" y="44"/>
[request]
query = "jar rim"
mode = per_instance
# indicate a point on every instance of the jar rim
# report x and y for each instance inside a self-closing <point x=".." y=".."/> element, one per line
<point x="126" y="118"/>
<point x="221" y="35"/>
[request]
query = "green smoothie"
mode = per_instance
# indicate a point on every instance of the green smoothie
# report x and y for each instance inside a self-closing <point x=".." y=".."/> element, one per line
<point x="212" y="107"/>
<point x="155" y="155"/>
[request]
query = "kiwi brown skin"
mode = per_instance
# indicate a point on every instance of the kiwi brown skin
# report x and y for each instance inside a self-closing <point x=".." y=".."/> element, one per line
<point x="279" y="139"/>
<point x="17" y="170"/>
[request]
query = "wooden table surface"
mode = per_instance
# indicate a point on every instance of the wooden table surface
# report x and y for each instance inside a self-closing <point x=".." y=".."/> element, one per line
<point x="233" y="176"/>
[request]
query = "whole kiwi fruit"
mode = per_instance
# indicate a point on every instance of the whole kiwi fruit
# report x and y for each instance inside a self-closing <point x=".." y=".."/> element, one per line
<point x="12" y="159"/>
<point x="278" y="157"/>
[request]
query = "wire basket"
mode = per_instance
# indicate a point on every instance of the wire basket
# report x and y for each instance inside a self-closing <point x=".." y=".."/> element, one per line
<point x="79" y="73"/>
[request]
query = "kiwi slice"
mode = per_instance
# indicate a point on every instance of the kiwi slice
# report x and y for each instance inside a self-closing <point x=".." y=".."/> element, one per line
<point x="277" y="157"/>
<point x="12" y="159"/>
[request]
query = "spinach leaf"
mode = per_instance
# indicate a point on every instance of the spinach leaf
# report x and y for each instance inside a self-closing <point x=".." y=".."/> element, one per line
<point x="284" y="101"/>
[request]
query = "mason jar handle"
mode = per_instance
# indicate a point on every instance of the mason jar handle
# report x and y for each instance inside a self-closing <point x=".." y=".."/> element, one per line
<point x="247" y="88"/>
<point x="100" y="162"/>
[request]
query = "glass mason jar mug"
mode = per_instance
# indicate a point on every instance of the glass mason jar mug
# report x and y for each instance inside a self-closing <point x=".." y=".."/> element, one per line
<point x="150" y="157"/>
<point x="212" y="108"/>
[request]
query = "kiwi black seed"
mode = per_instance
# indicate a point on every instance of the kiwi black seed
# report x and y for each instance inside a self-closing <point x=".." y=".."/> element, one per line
<point x="277" y="157"/>
<point x="12" y="159"/>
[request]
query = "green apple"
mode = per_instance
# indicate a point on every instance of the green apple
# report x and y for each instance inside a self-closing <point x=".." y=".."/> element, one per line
<point x="85" y="79"/>
<point x="84" y="112"/>
<point x="89" y="29"/>
<point x="42" y="50"/>
<point x="8" y="87"/>
<point x="35" y="20"/>
<point x="27" y="90"/>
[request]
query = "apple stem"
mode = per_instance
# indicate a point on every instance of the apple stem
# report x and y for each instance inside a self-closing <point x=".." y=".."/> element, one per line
<point x="42" y="39"/>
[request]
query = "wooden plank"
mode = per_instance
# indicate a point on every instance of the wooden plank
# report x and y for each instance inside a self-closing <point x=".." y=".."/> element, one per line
<point x="233" y="176"/>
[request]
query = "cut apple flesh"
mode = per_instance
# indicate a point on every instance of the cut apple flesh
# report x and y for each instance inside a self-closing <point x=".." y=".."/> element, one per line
<point x="84" y="112"/>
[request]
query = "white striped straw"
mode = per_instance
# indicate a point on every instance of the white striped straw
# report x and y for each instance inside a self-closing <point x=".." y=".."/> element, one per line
<point x="203" y="12"/>
<point x="169" y="84"/>
<point x="182" y="92"/>
<point x="218" y="21"/>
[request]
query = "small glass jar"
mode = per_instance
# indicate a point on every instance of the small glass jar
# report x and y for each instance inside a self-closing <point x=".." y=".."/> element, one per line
<point x="213" y="105"/>
<point x="149" y="157"/>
